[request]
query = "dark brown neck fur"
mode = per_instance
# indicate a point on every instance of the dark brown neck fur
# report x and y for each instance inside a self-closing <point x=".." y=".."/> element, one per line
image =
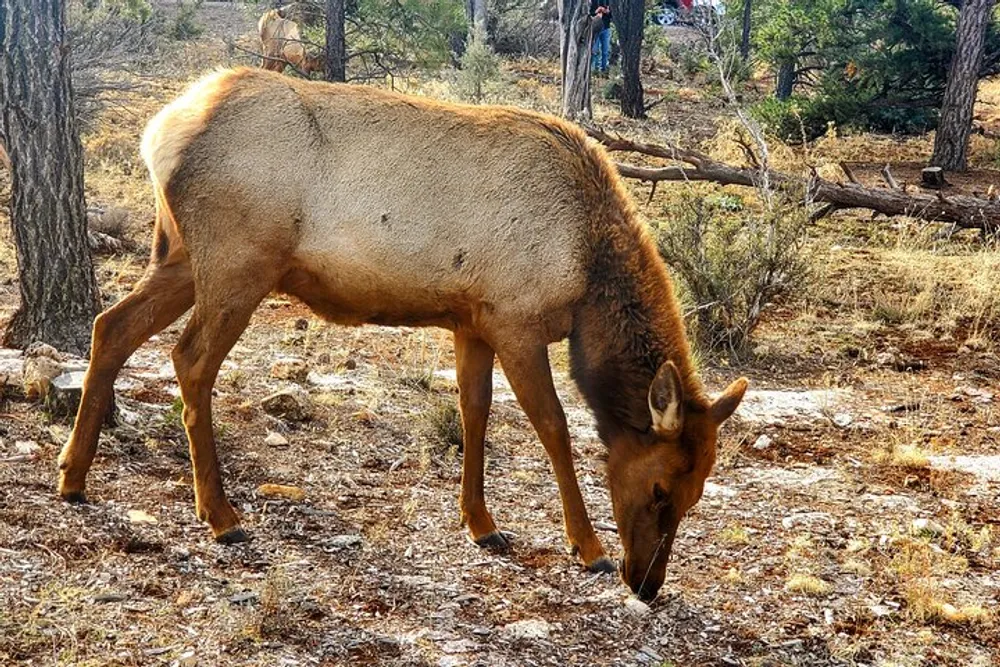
<point x="628" y="324"/>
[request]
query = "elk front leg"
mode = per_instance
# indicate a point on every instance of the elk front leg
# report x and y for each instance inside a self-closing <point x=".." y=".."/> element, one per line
<point x="474" y="370"/>
<point x="531" y="379"/>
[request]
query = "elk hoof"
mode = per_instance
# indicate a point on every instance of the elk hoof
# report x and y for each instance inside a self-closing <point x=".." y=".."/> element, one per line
<point x="74" y="497"/>
<point x="232" y="536"/>
<point x="495" y="541"/>
<point x="603" y="565"/>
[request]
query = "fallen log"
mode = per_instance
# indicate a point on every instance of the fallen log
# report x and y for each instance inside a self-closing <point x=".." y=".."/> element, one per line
<point x="961" y="210"/>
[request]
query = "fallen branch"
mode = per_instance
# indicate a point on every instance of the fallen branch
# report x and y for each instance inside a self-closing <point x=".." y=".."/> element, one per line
<point x="962" y="210"/>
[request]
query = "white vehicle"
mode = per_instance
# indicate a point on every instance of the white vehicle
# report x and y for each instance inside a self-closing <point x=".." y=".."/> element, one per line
<point x="670" y="12"/>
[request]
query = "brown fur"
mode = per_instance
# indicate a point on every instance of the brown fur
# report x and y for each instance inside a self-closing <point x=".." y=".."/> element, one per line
<point x="508" y="227"/>
<point x="282" y="45"/>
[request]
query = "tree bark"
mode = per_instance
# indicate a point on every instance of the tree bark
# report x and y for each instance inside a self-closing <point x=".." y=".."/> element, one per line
<point x="475" y="12"/>
<point x="336" y="47"/>
<point x="629" y="17"/>
<point x="961" y="210"/>
<point x="574" y="55"/>
<point x="59" y="295"/>
<point x="745" y="36"/>
<point x="952" y="139"/>
<point x="786" y="80"/>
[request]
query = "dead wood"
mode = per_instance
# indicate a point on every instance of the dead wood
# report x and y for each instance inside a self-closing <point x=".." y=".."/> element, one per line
<point x="961" y="210"/>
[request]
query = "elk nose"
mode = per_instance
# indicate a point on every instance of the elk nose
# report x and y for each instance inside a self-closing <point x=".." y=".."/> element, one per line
<point x="645" y="593"/>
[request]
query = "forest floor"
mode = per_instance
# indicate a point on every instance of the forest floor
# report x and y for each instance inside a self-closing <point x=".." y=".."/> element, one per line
<point x="852" y="518"/>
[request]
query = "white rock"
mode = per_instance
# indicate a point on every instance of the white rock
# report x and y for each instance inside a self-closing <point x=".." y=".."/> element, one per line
<point x="842" y="419"/>
<point x="528" y="630"/>
<point x="275" y="439"/>
<point x="26" y="447"/>
<point x="926" y="527"/>
<point x="763" y="442"/>
<point x="636" y="606"/>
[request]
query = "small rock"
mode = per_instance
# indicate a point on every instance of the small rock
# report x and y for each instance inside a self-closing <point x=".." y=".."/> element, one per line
<point x="482" y="631"/>
<point x="26" y="447"/>
<point x="842" y="420"/>
<point x="763" y="442"/>
<point x="281" y="491"/>
<point x="885" y="359"/>
<point x="110" y="597"/>
<point x="350" y="364"/>
<point x="186" y="659"/>
<point x="138" y="516"/>
<point x="290" y="368"/>
<point x="813" y="520"/>
<point x="343" y="541"/>
<point x="459" y="646"/>
<point x="292" y="404"/>
<point x="528" y="630"/>
<point x="301" y="324"/>
<point x="926" y="527"/>
<point x="11" y="370"/>
<point x="275" y="439"/>
<point x="243" y="597"/>
<point x="38" y="374"/>
<point x="636" y="606"/>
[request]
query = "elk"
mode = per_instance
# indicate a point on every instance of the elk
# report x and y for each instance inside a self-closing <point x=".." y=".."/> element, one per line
<point x="282" y="45"/>
<point x="507" y="227"/>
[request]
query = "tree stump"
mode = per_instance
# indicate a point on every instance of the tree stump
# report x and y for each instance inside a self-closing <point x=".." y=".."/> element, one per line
<point x="933" y="177"/>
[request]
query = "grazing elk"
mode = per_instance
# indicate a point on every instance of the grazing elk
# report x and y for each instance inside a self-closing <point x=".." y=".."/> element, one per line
<point x="282" y="45"/>
<point x="507" y="227"/>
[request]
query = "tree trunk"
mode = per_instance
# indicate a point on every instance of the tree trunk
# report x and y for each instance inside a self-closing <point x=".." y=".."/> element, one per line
<point x="745" y="37"/>
<point x="952" y="138"/>
<point x="629" y="17"/>
<point x="336" y="48"/>
<point x="786" y="80"/>
<point x="475" y="12"/>
<point x="574" y="55"/>
<point x="59" y="295"/>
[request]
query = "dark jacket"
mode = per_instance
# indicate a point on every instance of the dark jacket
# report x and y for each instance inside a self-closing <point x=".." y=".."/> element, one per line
<point x="606" y="22"/>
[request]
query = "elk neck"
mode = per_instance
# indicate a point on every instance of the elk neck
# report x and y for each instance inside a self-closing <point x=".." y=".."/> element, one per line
<point x="627" y="325"/>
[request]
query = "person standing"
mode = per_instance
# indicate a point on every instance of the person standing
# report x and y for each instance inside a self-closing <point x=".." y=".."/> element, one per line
<point x="600" y="10"/>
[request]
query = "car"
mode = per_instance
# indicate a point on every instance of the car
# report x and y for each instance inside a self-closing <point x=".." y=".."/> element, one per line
<point x="670" y="12"/>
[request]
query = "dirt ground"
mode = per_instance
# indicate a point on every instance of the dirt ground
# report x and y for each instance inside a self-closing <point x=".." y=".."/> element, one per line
<point x="852" y="518"/>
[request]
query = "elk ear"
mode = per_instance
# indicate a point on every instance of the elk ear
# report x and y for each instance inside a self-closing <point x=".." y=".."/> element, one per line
<point x="725" y="405"/>
<point x="666" y="401"/>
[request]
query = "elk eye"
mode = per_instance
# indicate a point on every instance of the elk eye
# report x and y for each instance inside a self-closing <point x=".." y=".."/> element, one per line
<point x="660" y="497"/>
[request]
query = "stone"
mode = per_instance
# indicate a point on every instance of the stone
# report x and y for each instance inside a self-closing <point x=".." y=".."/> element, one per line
<point x="534" y="629"/>
<point x="26" y="447"/>
<point x="275" y="439"/>
<point x="343" y="541"/>
<point x="812" y="520"/>
<point x="63" y="396"/>
<point x="138" y="516"/>
<point x="763" y="442"/>
<point x="926" y="527"/>
<point x="842" y="419"/>
<point x="294" y="369"/>
<point x="38" y="374"/>
<point x="636" y="606"/>
<point x="292" y="404"/>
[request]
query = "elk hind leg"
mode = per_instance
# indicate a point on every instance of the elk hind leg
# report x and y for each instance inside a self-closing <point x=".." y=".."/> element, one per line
<point x="163" y="294"/>
<point x="222" y="311"/>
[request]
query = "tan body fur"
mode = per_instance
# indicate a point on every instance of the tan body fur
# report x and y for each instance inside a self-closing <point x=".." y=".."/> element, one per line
<point x="508" y="227"/>
<point x="281" y="45"/>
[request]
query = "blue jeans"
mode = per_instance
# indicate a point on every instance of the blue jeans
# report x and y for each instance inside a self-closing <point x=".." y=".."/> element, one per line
<point x="601" y="51"/>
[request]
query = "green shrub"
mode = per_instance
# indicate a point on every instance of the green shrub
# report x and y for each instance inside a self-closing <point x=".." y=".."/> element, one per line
<point x="185" y="25"/>
<point x="480" y="69"/>
<point x="733" y="262"/>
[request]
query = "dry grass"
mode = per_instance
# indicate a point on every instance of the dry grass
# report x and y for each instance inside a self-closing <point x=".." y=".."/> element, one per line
<point x="806" y="584"/>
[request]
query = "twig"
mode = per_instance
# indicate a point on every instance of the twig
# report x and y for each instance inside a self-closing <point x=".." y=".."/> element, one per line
<point x="887" y="175"/>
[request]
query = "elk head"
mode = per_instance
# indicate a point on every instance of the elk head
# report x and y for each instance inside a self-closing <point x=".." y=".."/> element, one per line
<point x="657" y="476"/>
